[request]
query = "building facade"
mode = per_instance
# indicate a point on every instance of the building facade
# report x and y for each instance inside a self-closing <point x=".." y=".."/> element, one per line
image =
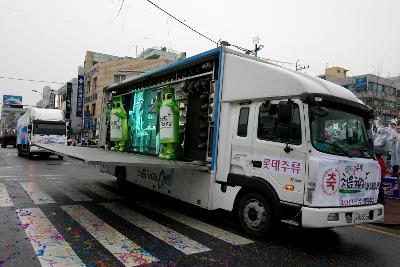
<point x="162" y="53"/>
<point x="375" y="91"/>
<point x="47" y="100"/>
<point x="101" y="70"/>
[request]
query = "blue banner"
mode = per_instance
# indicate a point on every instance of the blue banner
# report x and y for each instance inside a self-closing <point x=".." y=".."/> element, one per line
<point x="361" y="83"/>
<point x="12" y="99"/>
<point x="79" y="95"/>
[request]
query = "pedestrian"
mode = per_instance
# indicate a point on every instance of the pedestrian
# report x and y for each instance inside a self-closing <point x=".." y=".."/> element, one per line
<point x="393" y="141"/>
<point x="381" y="162"/>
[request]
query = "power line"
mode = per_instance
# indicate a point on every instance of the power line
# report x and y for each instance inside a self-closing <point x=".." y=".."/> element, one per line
<point x="181" y="22"/>
<point x="30" y="80"/>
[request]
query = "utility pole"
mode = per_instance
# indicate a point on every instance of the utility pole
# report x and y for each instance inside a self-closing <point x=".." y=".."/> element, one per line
<point x="300" y="67"/>
<point x="257" y="47"/>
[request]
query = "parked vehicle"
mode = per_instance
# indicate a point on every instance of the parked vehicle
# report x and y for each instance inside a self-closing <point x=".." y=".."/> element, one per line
<point x="40" y="126"/>
<point x="8" y="124"/>
<point x="262" y="141"/>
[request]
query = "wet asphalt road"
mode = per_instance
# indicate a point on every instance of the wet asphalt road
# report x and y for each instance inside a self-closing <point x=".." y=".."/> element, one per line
<point x="43" y="222"/>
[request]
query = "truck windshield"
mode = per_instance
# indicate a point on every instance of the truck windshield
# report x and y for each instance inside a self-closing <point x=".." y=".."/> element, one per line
<point x="49" y="129"/>
<point x="340" y="133"/>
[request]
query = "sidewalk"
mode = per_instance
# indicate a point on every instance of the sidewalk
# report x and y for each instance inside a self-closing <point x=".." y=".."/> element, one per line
<point x="392" y="212"/>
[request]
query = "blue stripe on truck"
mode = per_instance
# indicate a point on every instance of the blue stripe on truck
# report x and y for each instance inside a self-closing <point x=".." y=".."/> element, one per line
<point x="216" y="113"/>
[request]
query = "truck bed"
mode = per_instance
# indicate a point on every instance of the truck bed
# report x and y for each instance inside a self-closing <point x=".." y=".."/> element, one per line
<point x="98" y="156"/>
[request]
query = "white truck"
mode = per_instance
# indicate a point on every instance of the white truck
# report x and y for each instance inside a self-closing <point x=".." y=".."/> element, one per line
<point x="262" y="141"/>
<point x="40" y="126"/>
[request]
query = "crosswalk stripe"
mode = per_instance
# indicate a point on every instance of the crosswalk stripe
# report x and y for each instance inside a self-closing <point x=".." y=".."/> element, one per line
<point x="71" y="192"/>
<point x="5" y="200"/>
<point x="198" y="225"/>
<point x="49" y="245"/>
<point x="126" y="251"/>
<point x="100" y="191"/>
<point x="171" y="237"/>
<point x="36" y="194"/>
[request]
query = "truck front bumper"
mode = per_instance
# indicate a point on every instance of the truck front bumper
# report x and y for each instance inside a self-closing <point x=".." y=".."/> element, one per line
<point x="344" y="216"/>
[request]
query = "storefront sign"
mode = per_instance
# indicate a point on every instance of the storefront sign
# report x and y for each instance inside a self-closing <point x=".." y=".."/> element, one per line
<point x="86" y="123"/>
<point x="68" y="105"/>
<point x="52" y="100"/>
<point x="361" y="83"/>
<point x="79" y="96"/>
<point x="346" y="182"/>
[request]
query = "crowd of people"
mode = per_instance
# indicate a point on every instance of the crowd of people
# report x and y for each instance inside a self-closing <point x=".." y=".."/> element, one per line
<point x="387" y="143"/>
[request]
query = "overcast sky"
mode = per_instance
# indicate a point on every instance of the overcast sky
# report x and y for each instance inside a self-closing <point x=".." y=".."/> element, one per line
<point x="47" y="39"/>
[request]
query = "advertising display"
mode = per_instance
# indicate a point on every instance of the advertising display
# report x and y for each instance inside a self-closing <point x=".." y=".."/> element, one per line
<point x="346" y="183"/>
<point x="12" y="99"/>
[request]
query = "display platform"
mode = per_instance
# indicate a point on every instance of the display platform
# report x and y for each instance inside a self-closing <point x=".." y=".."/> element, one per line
<point x="98" y="156"/>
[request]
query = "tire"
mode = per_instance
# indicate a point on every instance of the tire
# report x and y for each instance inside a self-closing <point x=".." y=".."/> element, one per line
<point x="19" y="153"/>
<point x="60" y="157"/>
<point x="256" y="215"/>
<point x="120" y="173"/>
<point x="30" y="155"/>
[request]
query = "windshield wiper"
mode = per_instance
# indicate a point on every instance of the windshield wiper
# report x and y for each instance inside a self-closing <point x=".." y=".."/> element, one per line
<point x="337" y="146"/>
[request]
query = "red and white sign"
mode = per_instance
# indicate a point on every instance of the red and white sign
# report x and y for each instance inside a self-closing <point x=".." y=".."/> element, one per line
<point x="330" y="181"/>
<point x="282" y="165"/>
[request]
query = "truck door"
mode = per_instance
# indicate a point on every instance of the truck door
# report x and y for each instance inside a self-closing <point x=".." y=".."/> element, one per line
<point x="279" y="154"/>
<point x="242" y="139"/>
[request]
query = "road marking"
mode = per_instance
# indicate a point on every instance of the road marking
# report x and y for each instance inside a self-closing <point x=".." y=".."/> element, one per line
<point x="5" y="200"/>
<point x="100" y="191"/>
<point x="126" y="251"/>
<point x="198" y="225"/>
<point x="172" y="238"/>
<point x="36" y="194"/>
<point x="71" y="192"/>
<point x="49" y="245"/>
<point x="52" y="178"/>
<point x="45" y="175"/>
<point x="16" y="179"/>
<point x="376" y="230"/>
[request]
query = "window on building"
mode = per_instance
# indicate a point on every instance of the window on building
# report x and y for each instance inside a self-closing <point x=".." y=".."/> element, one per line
<point x="338" y="71"/>
<point x="119" y="78"/>
<point x="243" y="122"/>
<point x="88" y="86"/>
<point x="95" y="83"/>
<point x="268" y="126"/>
<point x="63" y="96"/>
<point x="94" y="109"/>
<point x="380" y="88"/>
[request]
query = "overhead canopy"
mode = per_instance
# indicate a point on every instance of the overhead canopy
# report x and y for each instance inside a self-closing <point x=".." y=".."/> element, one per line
<point x="97" y="156"/>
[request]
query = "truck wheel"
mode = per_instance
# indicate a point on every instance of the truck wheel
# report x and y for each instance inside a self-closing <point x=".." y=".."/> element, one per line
<point x="19" y="153"/>
<point x="121" y="176"/>
<point x="3" y="145"/>
<point x="29" y="155"/>
<point x="60" y="157"/>
<point x="255" y="214"/>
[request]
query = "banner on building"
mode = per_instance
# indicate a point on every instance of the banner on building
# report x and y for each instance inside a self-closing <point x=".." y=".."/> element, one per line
<point x="346" y="183"/>
<point x="361" y="83"/>
<point x="12" y="99"/>
<point x="68" y="105"/>
<point x="79" y="96"/>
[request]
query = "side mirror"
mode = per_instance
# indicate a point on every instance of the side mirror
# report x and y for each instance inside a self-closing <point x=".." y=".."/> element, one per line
<point x="284" y="112"/>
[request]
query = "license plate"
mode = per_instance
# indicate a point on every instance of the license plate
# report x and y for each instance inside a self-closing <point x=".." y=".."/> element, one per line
<point x="361" y="216"/>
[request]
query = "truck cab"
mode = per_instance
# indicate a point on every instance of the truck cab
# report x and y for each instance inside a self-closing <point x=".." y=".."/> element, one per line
<point x="300" y="149"/>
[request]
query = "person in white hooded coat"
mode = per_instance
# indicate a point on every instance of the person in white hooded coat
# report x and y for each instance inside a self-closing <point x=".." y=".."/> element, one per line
<point x="395" y="151"/>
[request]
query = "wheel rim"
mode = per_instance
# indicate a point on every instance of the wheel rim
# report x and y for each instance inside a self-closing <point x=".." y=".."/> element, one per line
<point x="255" y="214"/>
